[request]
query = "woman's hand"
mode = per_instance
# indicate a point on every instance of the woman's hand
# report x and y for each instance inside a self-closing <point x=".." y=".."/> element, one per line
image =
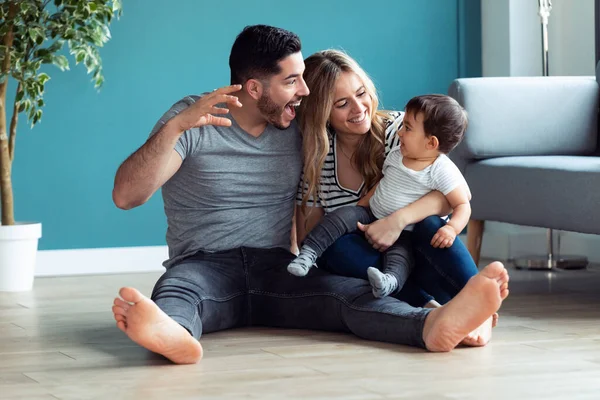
<point x="383" y="233"/>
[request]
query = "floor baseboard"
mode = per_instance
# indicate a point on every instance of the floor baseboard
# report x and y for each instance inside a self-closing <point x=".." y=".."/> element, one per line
<point x="497" y="244"/>
<point x="100" y="261"/>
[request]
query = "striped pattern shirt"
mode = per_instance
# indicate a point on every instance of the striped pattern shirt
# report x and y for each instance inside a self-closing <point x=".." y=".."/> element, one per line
<point x="334" y="195"/>
<point x="401" y="186"/>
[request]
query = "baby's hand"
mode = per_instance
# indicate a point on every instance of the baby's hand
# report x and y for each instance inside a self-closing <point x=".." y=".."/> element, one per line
<point x="444" y="237"/>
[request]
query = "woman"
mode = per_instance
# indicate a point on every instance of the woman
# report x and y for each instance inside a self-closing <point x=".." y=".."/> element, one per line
<point x="345" y="140"/>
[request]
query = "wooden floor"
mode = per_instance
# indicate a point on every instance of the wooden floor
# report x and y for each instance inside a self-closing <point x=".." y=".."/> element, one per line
<point x="60" y="342"/>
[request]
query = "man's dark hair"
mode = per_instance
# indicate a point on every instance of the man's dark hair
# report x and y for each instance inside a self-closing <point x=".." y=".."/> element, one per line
<point x="257" y="51"/>
<point x="443" y="118"/>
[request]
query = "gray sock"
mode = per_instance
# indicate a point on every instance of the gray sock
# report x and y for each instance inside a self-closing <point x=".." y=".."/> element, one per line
<point x="305" y="261"/>
<point x="382" y="284"/>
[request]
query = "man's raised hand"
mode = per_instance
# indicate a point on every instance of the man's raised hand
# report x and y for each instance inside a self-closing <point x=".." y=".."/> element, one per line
<point x="204" y="111"/>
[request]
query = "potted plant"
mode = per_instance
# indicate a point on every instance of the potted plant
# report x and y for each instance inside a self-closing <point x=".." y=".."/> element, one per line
<point x="34" y="33"/>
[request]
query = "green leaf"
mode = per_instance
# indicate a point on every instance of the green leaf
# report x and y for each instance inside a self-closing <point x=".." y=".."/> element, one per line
<point x="47" y="59"/>
<point x="31" y="113"/>
<point x="89" y="64"/>
<point x="40" y="103"/>
<point x="21" y="107"/>
<point x="43" y="78"/>
<point x="25" y="7"/>
<point x="80" y="57"/>
<point x="117" y="7"/>
<point x="32" y="34"/>
<point x="56" y="46"/>
<point x="19" y="96"/>
<point x="37" y="117"/>
<point x="61" y="62"/>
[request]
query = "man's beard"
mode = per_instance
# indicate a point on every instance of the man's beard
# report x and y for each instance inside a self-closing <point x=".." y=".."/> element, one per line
<point x="271" y="111"/>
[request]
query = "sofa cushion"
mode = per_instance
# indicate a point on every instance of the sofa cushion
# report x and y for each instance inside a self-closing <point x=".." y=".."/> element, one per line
<point x="560" y="192"/>
<point x="528" y="116"/>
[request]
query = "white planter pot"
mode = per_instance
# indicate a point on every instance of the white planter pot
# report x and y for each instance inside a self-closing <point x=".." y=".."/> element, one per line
<point x="18" y="250"/>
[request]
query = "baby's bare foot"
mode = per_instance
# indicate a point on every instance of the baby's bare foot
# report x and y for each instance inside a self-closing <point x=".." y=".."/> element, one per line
<point x="147" y="325"/>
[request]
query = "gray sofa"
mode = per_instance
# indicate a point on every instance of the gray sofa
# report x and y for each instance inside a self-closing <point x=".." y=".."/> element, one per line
<point x="530" y="154"/>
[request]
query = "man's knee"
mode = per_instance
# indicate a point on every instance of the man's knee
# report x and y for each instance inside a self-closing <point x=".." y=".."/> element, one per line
<point x="178" y="282"/>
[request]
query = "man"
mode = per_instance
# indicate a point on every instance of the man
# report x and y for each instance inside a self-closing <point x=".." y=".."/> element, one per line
<point x="229" y="163"/>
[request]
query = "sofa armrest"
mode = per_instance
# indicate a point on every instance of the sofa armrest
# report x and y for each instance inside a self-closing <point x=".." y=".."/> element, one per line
<point x="528" y="116"/>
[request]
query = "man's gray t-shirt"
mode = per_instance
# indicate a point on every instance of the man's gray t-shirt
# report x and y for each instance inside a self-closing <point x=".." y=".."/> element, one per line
<point x="232" y="189"/>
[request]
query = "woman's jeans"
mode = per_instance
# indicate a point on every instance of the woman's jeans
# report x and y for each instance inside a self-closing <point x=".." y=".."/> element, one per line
<point x="438" y="273"/>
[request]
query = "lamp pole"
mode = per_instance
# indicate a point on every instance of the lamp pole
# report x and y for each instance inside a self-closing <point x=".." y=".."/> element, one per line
<point x="544" y="13"/>
<point x="549" y="261"/>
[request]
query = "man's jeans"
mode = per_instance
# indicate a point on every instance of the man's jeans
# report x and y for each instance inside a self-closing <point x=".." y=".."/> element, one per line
<point x="251" y="287"/>
<point x="398" y="259"/>
<point x="438" y="274"/>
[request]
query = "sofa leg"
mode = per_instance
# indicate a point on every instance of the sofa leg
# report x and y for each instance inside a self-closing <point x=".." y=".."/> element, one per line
<point x="474" y="238"/>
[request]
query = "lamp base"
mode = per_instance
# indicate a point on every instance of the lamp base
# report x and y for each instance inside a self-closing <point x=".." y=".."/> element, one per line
<point x="546" y="263"/>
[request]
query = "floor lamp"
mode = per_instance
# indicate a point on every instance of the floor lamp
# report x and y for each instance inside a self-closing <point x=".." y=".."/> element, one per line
<point x="550" y="260"/>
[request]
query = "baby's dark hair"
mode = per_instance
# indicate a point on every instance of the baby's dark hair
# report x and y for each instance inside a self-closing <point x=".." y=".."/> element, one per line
<point x="443" y="118"/>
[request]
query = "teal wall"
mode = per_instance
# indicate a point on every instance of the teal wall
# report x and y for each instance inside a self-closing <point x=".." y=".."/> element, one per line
<point x="163" y="50"/>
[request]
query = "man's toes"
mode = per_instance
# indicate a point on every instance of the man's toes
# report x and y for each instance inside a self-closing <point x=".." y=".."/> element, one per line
<point x="493" y="270"/>
<point x="121" y="303"/>
<point x="504" y="278"/>
<point x="131" y="295"/>
<point x="118" y="310"/>
<point x="119" y="317"/>
<point x="504" y="294"/>
<point x="122" y="326"/>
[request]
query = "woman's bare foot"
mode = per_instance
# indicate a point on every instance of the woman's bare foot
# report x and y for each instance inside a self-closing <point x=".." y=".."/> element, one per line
<point x="474" y="306"/>
<point x="480" y="336"/>
<point x="483" y="334"/>
<point x="147" y="325"/>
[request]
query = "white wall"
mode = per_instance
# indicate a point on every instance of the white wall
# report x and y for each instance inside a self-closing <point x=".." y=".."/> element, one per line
<point x="495" y="38"/>
<point x="571" y="37"/>
<point x="512" y="38"/>
<point x="512" y="46"/>
<point x="525" y="38"/>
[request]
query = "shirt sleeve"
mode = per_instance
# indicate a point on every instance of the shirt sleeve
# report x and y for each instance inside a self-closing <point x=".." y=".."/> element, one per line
<point x="446" y="176"/>
<point x="392" y="124"/>
<point x="188" y="142"/>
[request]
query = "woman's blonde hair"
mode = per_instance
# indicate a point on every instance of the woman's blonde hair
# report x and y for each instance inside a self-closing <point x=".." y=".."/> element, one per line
<point x="322" y="72"/>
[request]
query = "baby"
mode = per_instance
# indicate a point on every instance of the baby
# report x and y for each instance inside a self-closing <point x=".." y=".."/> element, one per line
<point x="433" y="125"/>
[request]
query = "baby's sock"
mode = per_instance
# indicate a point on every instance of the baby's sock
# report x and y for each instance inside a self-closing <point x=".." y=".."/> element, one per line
<point x="382" y="284"/>
<point x="301" y="264"/>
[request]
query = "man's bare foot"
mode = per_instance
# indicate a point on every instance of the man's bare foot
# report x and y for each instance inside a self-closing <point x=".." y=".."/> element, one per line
<point x="447" y="326"/>
<point x="147" y="325"/>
